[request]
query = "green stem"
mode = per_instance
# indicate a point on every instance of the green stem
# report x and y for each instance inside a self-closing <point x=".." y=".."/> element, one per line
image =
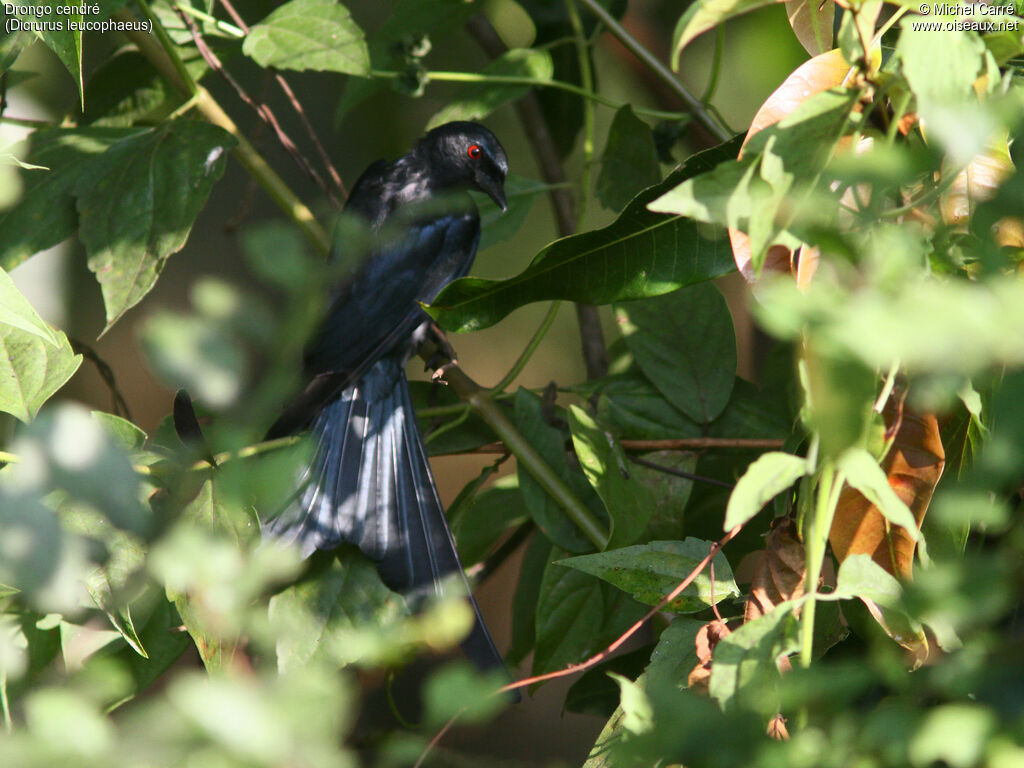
<point x="531" y="347"/>
<point x="5" y="704"/>
<point x="716" y="65"/>
<point x="223" y="26"/>
<point x="185" y="79"/>
<point x="474" y="77"/>
<point x="693" y="106"/>
<point x="587" y="79"/>
<point x="528" y="458"/>
<point x="221" y="458"/>
<point x="830" y="483"/>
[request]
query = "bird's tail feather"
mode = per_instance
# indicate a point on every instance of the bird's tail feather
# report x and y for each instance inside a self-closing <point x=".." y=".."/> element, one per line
<point x="369" y="484"/>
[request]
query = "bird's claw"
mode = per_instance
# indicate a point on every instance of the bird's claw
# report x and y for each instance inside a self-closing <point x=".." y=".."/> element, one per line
<point x="438" y="374"/>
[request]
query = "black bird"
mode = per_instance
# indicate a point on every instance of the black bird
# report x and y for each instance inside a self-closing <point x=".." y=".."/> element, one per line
<point x="369" y="482"/>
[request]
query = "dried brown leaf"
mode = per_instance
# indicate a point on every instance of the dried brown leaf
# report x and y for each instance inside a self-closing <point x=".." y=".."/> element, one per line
<point x="781" y="572"/>
<point x="707" y="638"/>
<point x="913" y="466"/>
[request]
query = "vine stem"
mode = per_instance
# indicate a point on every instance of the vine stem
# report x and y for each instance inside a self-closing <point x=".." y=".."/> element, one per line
<point x="587" y="79"/>
<point x="475" y="77"/>
<point x="531" y="347"/>
<point x="830" y="483"/>
<point x="693" y="105"/>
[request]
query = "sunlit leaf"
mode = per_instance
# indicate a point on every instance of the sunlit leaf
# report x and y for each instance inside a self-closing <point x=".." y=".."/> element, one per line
<point x="767" y="477"/>
<point x="309" y="34"/>
<point x="641" y="254"/>
<point x="650" y="571"/>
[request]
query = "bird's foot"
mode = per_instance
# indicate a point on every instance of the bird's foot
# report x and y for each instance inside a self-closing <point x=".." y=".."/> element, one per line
<point x="440" y="371"/>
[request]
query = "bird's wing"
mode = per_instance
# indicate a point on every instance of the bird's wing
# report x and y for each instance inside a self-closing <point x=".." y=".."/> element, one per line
<point x="376" y="311"/>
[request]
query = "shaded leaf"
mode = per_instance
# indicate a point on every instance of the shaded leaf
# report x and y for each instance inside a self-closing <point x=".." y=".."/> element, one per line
<point x="749" y="655"/>
<point x="497" y="225"/>
<point x="596" y="693"/>
<point x="629" y="162"/>
<point x="898" y="493"/>
<point x="478" y="100"/>
<point x="330" y="600"/>
<point x="651" y="571"/>
<point x="676" y="653"/>
<point x="704" y="15"/>
<point x="635" y="408"/>
<point x="684" y="343"/>
<point x="137" y="207"/>
<point x="767" y="477"/>
<point x="604" y="463"/>
<point x="486" y="518"/>
<point x="538" y="555"/>
<point x="549" y="442"/>
<point x="569" y="608"/>
<point x="641" y="254"/>
<point x="309" y="34"/>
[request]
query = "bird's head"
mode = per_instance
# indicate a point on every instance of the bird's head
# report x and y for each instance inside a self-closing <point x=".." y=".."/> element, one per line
<point x="467" y="155"/>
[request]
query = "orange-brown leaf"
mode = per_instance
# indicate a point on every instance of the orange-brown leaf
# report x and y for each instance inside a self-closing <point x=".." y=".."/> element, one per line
<point x="913" y="466"/>
<point x="780" y="574"/>
<point x="705" y="642"/>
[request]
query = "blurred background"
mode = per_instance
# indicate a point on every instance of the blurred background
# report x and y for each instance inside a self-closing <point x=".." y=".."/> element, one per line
<point x="759" y="51"/>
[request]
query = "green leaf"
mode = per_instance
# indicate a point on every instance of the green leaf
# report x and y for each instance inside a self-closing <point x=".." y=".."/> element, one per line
<point x="637" y="713"/>
<point x="767" y="477"/>
<point x="66" y="43"/>
<point x="459" y="691"/>
<point x="124" y="89"/>
<point x="684" y="343"/>
<point x="569" y="609"/>
<point x="126" y="435"/>
<point x="314" y="613"/>
<point x="595" y="693"/>
<point x="635" y="408"/>
<point x="748" y="656"/>
<point x="478" y="100"/>
<point x="630" y="161"/>
<point x="863" y="473"/>
<point x="955" y="735"/>
<point x="309" y="34"/>
<point x="604" y="463"/>
<point x="781" y="164"/>
<point x="218" y="510"/>
<point x="197" y="353"/>
<point x="32" y="370"/>
<point x="11" y="46"/>
<point x="486" y="518"/>
<point x="16" y="312"/>
<point x="524" y="603"/>
<point x="651" y="571"/>
<point x="549" y="442"/>
<point x="46" y="214"/>
<point x="675" y="655"/>
<point x="861" y="577"/>
<point x="137" y="207"/>
<point x="641" y="254"/>
<point x="705" y="14"/>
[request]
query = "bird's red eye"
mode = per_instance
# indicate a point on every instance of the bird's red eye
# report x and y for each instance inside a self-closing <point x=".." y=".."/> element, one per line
<point x="474" y="151"/>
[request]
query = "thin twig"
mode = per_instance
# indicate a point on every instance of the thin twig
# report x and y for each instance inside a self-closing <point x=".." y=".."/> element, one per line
<point x="678" y="472"/>
<point x="597" y="658"/>
<point x="293" y="100"/>
<point x="118" y="403"/>
<point x="262" y="110"/>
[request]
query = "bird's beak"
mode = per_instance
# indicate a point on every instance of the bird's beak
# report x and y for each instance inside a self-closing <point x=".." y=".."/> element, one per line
<point x="494" y="189"/>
